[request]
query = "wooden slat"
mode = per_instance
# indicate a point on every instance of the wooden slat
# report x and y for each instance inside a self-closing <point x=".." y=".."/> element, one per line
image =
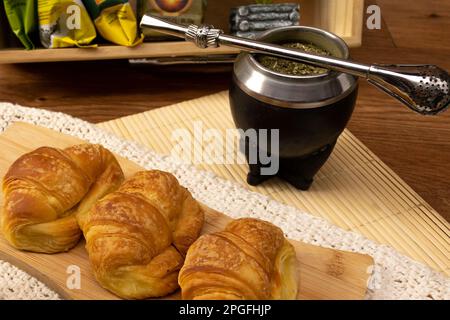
<point x="110" y="52"/>
<point x="354" y="190"/>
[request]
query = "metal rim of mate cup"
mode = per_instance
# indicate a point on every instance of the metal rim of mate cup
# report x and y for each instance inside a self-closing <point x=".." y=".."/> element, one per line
<point x="295" y="91"/>
<point x="310" y="111"/>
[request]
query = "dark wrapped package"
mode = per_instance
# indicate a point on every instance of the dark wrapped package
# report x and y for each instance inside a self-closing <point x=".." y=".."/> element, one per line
<point x="250" y="21"/>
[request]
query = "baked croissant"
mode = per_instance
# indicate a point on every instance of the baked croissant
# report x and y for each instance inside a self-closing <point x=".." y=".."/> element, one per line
<point x="250" y="259"/>
<point x="137" y="236"/>
<point x="45" y="190"/>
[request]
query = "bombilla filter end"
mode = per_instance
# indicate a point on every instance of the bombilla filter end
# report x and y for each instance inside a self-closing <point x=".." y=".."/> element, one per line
<point x="425" y="89"/>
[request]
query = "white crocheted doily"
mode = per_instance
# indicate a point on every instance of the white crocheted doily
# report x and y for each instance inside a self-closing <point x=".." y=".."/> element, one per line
<point x="395" y="276"/>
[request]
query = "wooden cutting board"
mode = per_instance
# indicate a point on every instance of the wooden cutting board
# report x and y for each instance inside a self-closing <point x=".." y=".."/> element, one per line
<point x="324" y="273"/>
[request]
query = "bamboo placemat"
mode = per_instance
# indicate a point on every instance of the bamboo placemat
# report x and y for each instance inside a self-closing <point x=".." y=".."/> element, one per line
<point x="354" y="190"/>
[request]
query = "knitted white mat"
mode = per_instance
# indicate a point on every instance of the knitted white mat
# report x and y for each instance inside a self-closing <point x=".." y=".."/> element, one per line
<point x="395" y="276"/>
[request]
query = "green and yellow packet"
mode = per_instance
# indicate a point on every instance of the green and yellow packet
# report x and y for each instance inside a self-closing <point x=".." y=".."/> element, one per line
<point x="179" y="11"/>
<point x="65" y="23"/>
<point x="22" y="19"/>
<point x="115" y="21"/>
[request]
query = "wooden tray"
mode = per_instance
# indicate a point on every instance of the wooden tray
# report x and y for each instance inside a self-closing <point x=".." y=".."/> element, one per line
<point x="354" y="190"/>
<point x="342" y="17"/>
<point x="324" y="273"/>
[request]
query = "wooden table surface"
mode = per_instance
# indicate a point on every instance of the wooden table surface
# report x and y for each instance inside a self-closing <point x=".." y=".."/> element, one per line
<point x="415" y="147"/>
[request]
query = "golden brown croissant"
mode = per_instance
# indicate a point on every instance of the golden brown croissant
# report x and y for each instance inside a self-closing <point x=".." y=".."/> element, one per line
<point x="137" y="236"/>
<point x="45" y="189"/>
<point x="250" y="259"/>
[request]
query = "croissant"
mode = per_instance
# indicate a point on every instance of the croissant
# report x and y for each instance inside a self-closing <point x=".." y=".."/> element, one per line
<point x="47" y="190"/>
<point x="250" y="259"/>
<point x="137" y="237"/>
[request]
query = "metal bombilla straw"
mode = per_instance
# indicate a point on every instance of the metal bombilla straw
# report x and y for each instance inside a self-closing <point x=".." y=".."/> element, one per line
<point x="423" y="88"/>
